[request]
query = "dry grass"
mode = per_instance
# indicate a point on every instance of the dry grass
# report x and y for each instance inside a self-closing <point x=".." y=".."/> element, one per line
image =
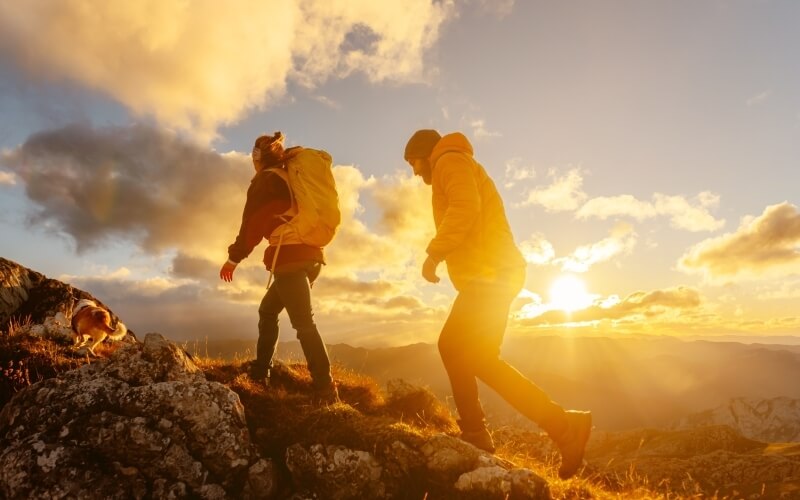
<point x="26" y="359"/>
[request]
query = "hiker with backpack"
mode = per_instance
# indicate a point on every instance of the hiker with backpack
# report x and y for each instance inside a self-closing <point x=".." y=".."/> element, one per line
<point x="292" y="201"/>
<point x="473" y="237"/>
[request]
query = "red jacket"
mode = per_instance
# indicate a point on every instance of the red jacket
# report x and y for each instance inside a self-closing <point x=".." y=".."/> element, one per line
<point x="268" y="198"/>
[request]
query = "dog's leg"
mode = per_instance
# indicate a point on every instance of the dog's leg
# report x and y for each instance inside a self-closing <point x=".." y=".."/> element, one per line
<point x="98" y="336"/>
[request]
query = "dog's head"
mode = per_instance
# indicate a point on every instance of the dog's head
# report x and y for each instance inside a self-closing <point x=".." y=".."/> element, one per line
<point x="82" y="304"/>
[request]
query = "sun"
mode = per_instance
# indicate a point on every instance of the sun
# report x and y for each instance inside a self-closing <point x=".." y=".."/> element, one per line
<point x="568" y="293"/>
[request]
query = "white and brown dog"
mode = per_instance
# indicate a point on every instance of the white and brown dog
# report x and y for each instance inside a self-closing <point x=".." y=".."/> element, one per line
<point x="89" y="320"/>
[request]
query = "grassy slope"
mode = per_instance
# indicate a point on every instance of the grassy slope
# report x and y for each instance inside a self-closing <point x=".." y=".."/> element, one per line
<point x="366" y="419"/>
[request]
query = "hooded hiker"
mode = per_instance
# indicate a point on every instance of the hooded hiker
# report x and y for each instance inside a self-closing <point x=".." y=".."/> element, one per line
<point x="291" y="201"/>
<point x="474" y="239"/>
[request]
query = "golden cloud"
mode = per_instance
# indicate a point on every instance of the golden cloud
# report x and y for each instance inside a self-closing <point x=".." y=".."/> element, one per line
<point x="564" y="193"/>
<point x="537" y="250"/>
<point x="622" y="240"/>
<point x="196" y="65"/>
<point x="683" y="214"/>
<point x="639" y="305"/>
<point x="762" y="246"/>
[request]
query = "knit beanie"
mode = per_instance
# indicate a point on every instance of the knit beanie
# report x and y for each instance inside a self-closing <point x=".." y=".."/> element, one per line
<point x="421" y="144"/>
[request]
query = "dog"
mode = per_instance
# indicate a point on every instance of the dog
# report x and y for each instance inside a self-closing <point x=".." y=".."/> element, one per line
<point x="91" y="321"/>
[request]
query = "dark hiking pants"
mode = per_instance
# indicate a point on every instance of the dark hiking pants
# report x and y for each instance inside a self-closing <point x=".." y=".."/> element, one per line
<point x="470" y="348"/>
<point x="292" y="290"/>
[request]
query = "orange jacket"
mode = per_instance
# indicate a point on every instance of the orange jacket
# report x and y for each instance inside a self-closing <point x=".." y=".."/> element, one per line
<point x="472" y="232"/>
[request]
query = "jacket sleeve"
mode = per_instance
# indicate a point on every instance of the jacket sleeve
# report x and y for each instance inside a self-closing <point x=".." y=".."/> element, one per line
<point x="267" y="197"/>
<point x="463" y="205"/>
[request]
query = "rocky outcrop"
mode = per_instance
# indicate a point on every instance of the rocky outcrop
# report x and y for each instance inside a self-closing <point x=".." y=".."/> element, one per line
<point x="449" y="466"/>
<point x="143" y="423"/>
<point x="775" y="420"/>
<point x="28" y="295"/>
<point x="42" y="306"/>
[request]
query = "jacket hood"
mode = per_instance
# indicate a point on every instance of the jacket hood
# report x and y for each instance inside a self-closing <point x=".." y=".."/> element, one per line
<point x="451" y="143"/>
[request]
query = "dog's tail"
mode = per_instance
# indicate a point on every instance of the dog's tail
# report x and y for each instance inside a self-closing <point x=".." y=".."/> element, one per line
<point x="119" y="332"/>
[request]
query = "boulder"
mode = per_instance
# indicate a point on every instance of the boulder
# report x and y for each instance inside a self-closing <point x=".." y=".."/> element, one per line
<point x="143" y="423"/>
<point x="335" y="471"/>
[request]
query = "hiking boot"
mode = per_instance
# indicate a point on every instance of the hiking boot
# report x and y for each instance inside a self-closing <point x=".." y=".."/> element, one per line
<point x="572" y="442"/>
<point x="327" y="395"/>
<point x="258" y="374"/>
<point x="480" y="439"/>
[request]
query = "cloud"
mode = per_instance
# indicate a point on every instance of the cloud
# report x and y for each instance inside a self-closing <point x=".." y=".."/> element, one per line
<point x="404" y="226"/>
<point x="7" y="179"/>
<point x="195" y="66"/>
<point x="563" y="194"/>
<point x="537" y="250"/>
<point x="622" y="240"/>
<point x="763" y="246"/>
<point x="479" y="130"/>
<point x="683" y="214"/>
<point x="650" y="306"/>
<point x="516" y="171"/>
<point x="758" y="98"/>
<point x="136" y="183"/>
<point x="604" y="207"/>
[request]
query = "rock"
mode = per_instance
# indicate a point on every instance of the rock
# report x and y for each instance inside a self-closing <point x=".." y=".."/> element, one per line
<point x="39" y="305"/>
<point x="447" y="457"/>
<point x="498" y="482"/>
<point x="335" y="472"/>
<point x="493" y="480"/>
<point x="262" y="480"/>
<point x="15" y="281"/>
<point x="144" y="422"/>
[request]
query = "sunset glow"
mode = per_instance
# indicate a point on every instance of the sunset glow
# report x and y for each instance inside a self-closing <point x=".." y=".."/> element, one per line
<point x="568" y="293"/>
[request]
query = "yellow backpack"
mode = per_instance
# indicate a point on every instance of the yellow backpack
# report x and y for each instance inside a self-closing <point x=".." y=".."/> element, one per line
<point x="315" y="214"/>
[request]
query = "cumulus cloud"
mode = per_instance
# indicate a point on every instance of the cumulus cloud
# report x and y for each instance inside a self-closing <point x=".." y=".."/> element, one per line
<point x="197" y="65"/>
<point x="684" y="215"/>
<point x="517" y="171"/>
<point x="137" y="182"/>
<point x="762" y="246"/>
<point x="404" y="225"/>
<point x="690" y="215"/>
<point x="604" y="207"/>
<point x="563" y="194"/>
<point x="640" y="305"/>
<point x="480" y="131"/>
<point x="537" y="250"/>
<point x="621" y="241"/>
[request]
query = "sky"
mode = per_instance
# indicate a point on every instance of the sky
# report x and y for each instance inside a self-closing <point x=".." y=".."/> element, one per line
<point x="648" y="155"/>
